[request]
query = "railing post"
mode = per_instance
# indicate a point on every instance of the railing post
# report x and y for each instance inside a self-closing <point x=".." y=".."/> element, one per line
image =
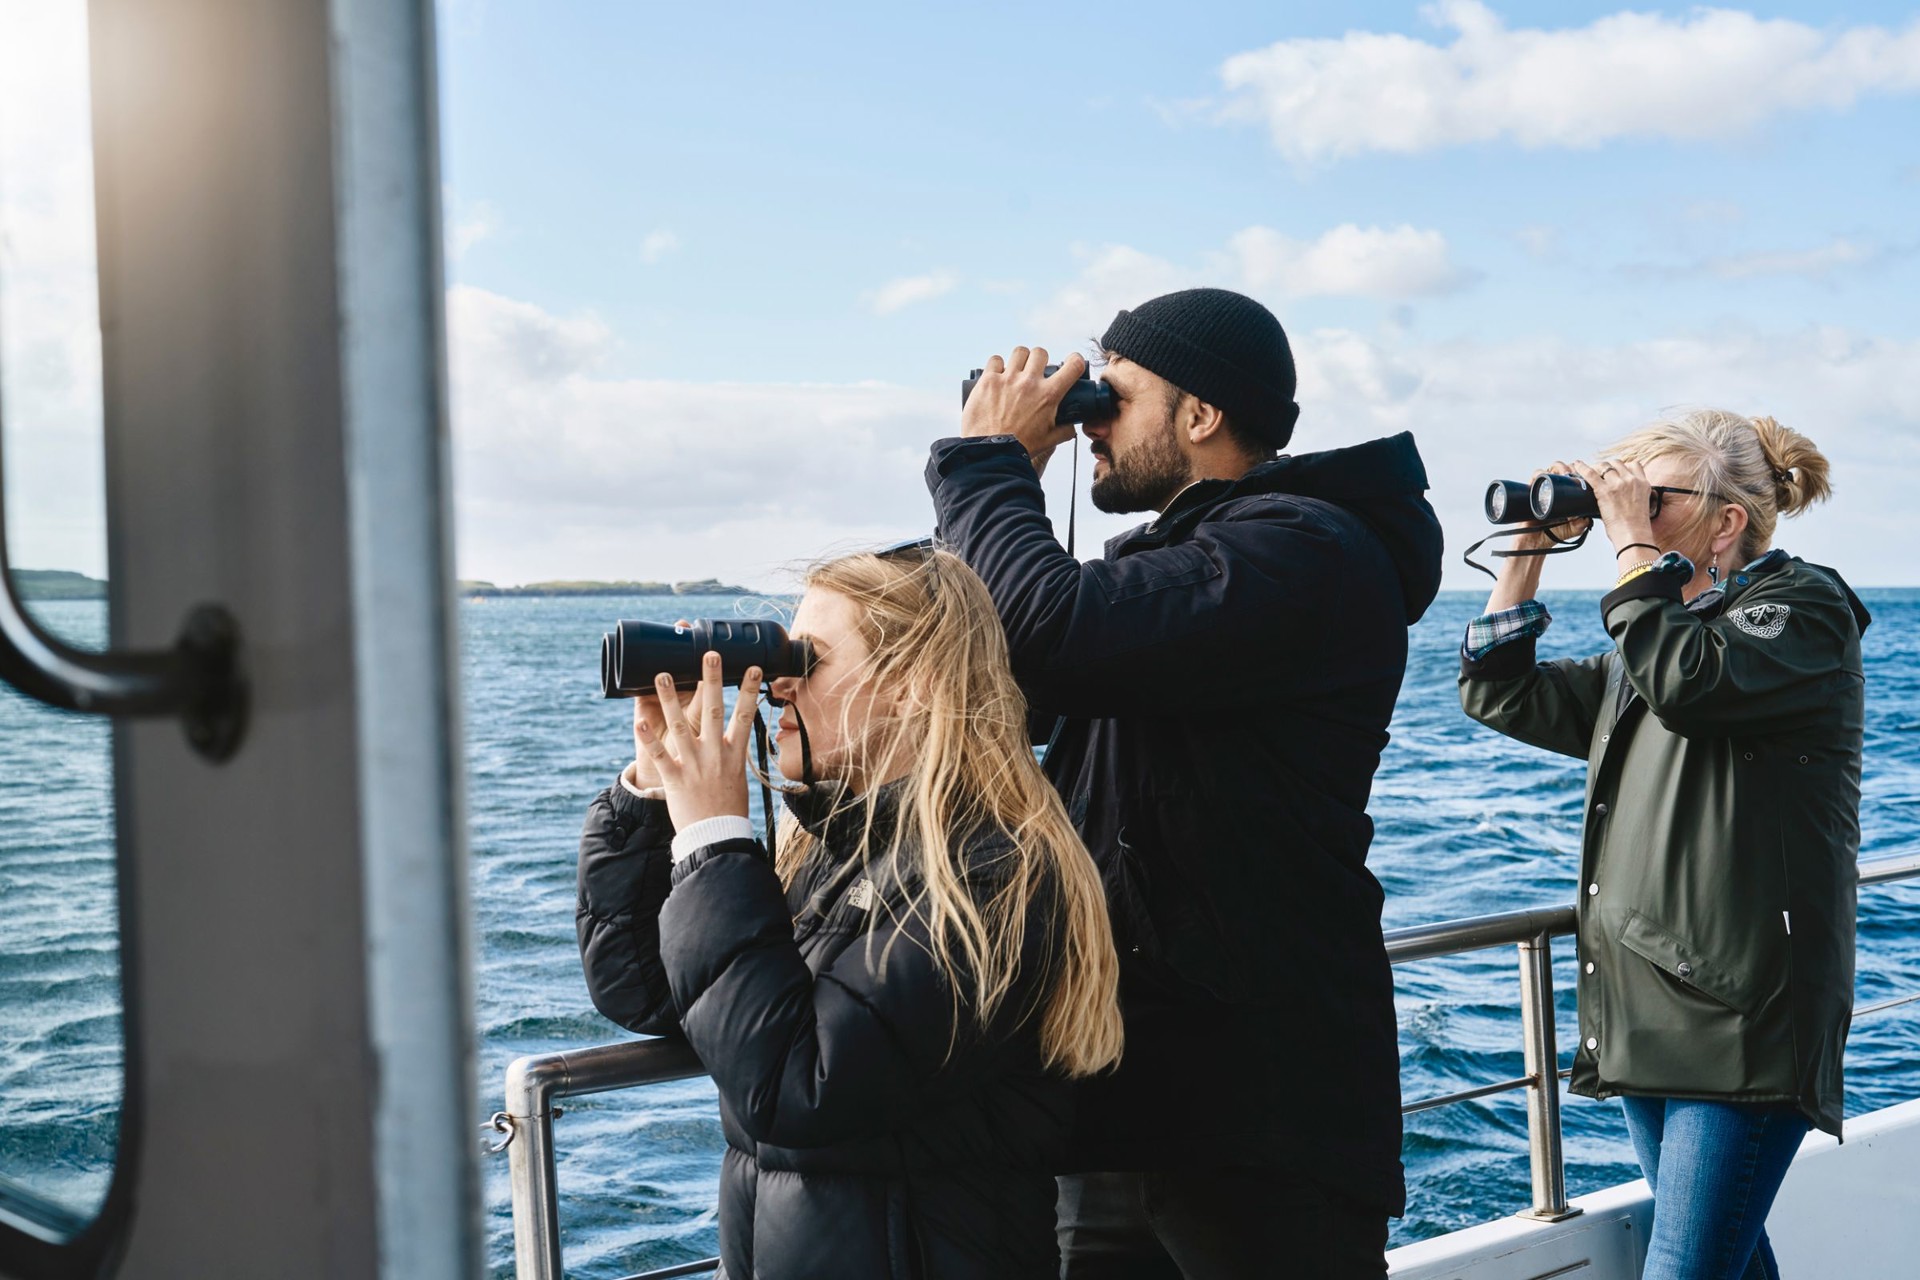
<point x="536" y="1206"/>
<point x="1544" y="1155"/>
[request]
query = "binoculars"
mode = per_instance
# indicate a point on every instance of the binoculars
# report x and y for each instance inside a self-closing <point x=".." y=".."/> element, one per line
<point x="1552" y="498"/>
<point x="1086" y="400"/>
<point x="633" y="653"/>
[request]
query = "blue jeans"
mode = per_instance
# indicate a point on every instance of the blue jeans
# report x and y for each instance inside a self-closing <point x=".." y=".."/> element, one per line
<point x="1714" y="1168"/>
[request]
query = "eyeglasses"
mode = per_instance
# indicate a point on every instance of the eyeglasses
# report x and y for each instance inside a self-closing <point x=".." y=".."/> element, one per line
<point x="1653" y="501"/>
<point x="918" y="551"/>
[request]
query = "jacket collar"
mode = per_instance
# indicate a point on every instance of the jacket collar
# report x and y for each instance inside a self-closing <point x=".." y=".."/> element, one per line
<point x="839" y="820"/>
<point x="1378" y="469"/>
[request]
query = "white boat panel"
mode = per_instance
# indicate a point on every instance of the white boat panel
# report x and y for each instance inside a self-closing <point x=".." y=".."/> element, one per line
<point x="1848" y="1211"/>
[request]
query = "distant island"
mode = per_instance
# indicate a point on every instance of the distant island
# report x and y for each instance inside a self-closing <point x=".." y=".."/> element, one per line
<point x="475" y="590"/>
<point x="57" y="584"/>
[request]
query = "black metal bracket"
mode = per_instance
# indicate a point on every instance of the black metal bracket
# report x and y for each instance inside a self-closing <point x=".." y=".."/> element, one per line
<point x="198" y="680"/>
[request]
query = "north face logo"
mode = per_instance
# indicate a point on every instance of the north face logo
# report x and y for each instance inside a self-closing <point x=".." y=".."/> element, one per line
<point x="1763" y="620"/>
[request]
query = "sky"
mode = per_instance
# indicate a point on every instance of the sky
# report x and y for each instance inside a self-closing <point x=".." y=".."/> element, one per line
<point x="715" y="272"/>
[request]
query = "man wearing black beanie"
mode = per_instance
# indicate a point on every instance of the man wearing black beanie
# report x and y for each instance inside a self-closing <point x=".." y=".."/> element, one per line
<point x="1215" y="690"/>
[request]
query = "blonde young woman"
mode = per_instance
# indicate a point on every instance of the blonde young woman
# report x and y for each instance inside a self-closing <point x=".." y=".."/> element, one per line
<point x="893" y="1013"/>
<point x="1717" y="870"/>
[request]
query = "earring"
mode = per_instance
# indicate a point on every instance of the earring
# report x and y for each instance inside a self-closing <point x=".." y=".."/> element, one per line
<point x="1713" y="574"/>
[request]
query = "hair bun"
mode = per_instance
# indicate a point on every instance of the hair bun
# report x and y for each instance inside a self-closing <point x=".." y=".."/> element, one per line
<point x="1799" y="469"/>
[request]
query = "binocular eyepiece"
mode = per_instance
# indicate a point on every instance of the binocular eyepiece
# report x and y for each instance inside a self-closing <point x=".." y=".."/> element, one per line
<point x="1551" y="497"/>
<point x="633" y="653"/>
<point x="1086" y="400"/>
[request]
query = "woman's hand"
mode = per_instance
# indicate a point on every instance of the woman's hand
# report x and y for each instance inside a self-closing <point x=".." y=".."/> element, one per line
<point x="699" y="755"/>
<point x="1625" y="496"/>
<point x="1565" y="531"/>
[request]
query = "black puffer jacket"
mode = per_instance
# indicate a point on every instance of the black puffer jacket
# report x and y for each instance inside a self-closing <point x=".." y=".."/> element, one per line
<point x="1223" y="680"/>
<point x="864" y="1138"/>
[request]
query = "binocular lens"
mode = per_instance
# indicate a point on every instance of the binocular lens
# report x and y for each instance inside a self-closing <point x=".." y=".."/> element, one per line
<point x="1558" y="497"/>
<point x="1507" y="502"/>
<point x="1086" y="400"/>
<point x="633" y="653"/>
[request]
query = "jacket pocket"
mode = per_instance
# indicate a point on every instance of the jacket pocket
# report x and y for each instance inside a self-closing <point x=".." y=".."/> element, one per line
<point x="1729" y="984"/>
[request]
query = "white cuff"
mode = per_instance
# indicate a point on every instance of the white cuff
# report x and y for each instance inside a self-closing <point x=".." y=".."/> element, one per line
<point x="645" y="793"/>
<point x="728" y="826"/>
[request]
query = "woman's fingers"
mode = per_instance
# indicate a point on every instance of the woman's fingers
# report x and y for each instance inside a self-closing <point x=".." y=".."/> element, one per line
<point x="679" y="734"/>
<point x="712" y="697"/>
<point x="653" y="742"/>
<point x="744" y="711"/>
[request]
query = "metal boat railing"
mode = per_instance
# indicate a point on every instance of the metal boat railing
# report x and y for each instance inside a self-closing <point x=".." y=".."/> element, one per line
<point x="537" y="1082"/>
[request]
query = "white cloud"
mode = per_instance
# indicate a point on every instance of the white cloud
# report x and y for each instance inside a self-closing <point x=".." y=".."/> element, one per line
<point x="1815" y="264"/>
<point x="1348" y="261"/>
<point x="1820" y="263"/>
<point x="565" y="472"/>
<point x="1712" y="74"/>
<point x="49" y="290"/>
<point x="471" y="225"/>
<point x="907" y="290"/>
<point x="1488" y="410"/>
<point x="657" y="245"/>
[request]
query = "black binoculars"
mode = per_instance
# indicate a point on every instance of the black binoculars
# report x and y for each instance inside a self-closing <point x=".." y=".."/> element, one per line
<point x="1552" y="497"/>
<point x="1086" y="400"/>
<point x="633" y="653"/>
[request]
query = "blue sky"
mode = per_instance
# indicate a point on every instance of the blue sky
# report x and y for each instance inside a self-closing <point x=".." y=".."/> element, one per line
<point x="1615" y="214"/>
<point x="716" y="271"/>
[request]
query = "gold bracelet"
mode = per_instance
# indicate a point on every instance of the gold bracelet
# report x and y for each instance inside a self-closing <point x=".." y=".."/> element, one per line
<point x="1634" y="571"/>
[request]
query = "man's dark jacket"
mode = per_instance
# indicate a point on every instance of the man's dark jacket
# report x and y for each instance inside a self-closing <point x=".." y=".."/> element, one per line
<point x="1222" y="682"/>
<point x="866" y="1138"/>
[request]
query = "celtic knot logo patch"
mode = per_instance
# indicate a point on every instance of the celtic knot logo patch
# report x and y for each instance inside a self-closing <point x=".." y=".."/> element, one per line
<point x="1763" y="620"/>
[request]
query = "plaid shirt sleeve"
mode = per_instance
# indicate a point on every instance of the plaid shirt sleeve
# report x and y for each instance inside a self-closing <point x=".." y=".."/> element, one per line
<point x="1489" y="631"/>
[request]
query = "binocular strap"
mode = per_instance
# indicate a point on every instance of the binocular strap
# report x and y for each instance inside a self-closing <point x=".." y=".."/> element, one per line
<point x="1560" y="545"/>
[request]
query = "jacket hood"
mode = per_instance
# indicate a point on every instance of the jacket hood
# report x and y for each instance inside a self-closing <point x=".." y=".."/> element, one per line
<point x="1384" y="482"/>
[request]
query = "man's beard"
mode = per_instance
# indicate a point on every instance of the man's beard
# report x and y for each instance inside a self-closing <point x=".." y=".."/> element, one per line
<point x="1145" y="477"/>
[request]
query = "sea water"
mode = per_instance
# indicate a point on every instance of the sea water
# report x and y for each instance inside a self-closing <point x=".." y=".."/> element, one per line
<point x="1467" y="822"/>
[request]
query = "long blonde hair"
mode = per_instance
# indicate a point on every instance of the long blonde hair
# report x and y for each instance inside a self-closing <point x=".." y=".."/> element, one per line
<point x="935" y="641"/>
<point x="1755" y="463"/>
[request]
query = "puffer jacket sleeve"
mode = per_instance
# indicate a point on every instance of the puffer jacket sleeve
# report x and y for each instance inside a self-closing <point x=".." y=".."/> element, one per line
<point x="1237" y="613"/>
<point x="810" y="1062"/>
<point x="1774" y="660"/>
<point x="1552" y="705"/>
<point x="625" y="863"/>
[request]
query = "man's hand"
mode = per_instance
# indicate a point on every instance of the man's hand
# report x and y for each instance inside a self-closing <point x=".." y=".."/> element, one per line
<point x="1015" y="397"/>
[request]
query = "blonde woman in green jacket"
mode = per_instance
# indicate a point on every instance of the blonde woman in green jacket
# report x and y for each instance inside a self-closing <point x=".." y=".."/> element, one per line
<point x="1722" y="733"/>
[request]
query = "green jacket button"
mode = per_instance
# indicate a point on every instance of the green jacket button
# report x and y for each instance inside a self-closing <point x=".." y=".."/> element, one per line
<point x="1601" y="808"/>
<point x="1684" y="969"/>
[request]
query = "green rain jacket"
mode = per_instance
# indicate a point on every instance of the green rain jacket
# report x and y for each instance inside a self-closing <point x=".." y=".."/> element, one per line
<point x="1718" y="863"/>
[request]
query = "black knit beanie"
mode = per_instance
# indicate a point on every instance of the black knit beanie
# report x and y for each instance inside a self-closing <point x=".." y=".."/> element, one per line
<point x="1221" y="346"/>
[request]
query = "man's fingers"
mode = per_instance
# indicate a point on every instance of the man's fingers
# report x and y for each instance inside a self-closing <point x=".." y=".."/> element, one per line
<point x="1017" y="359"/>
<point x="996" y="365"/>
<point x="1037" y="362"/>
<point x="1073" y="367"/>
